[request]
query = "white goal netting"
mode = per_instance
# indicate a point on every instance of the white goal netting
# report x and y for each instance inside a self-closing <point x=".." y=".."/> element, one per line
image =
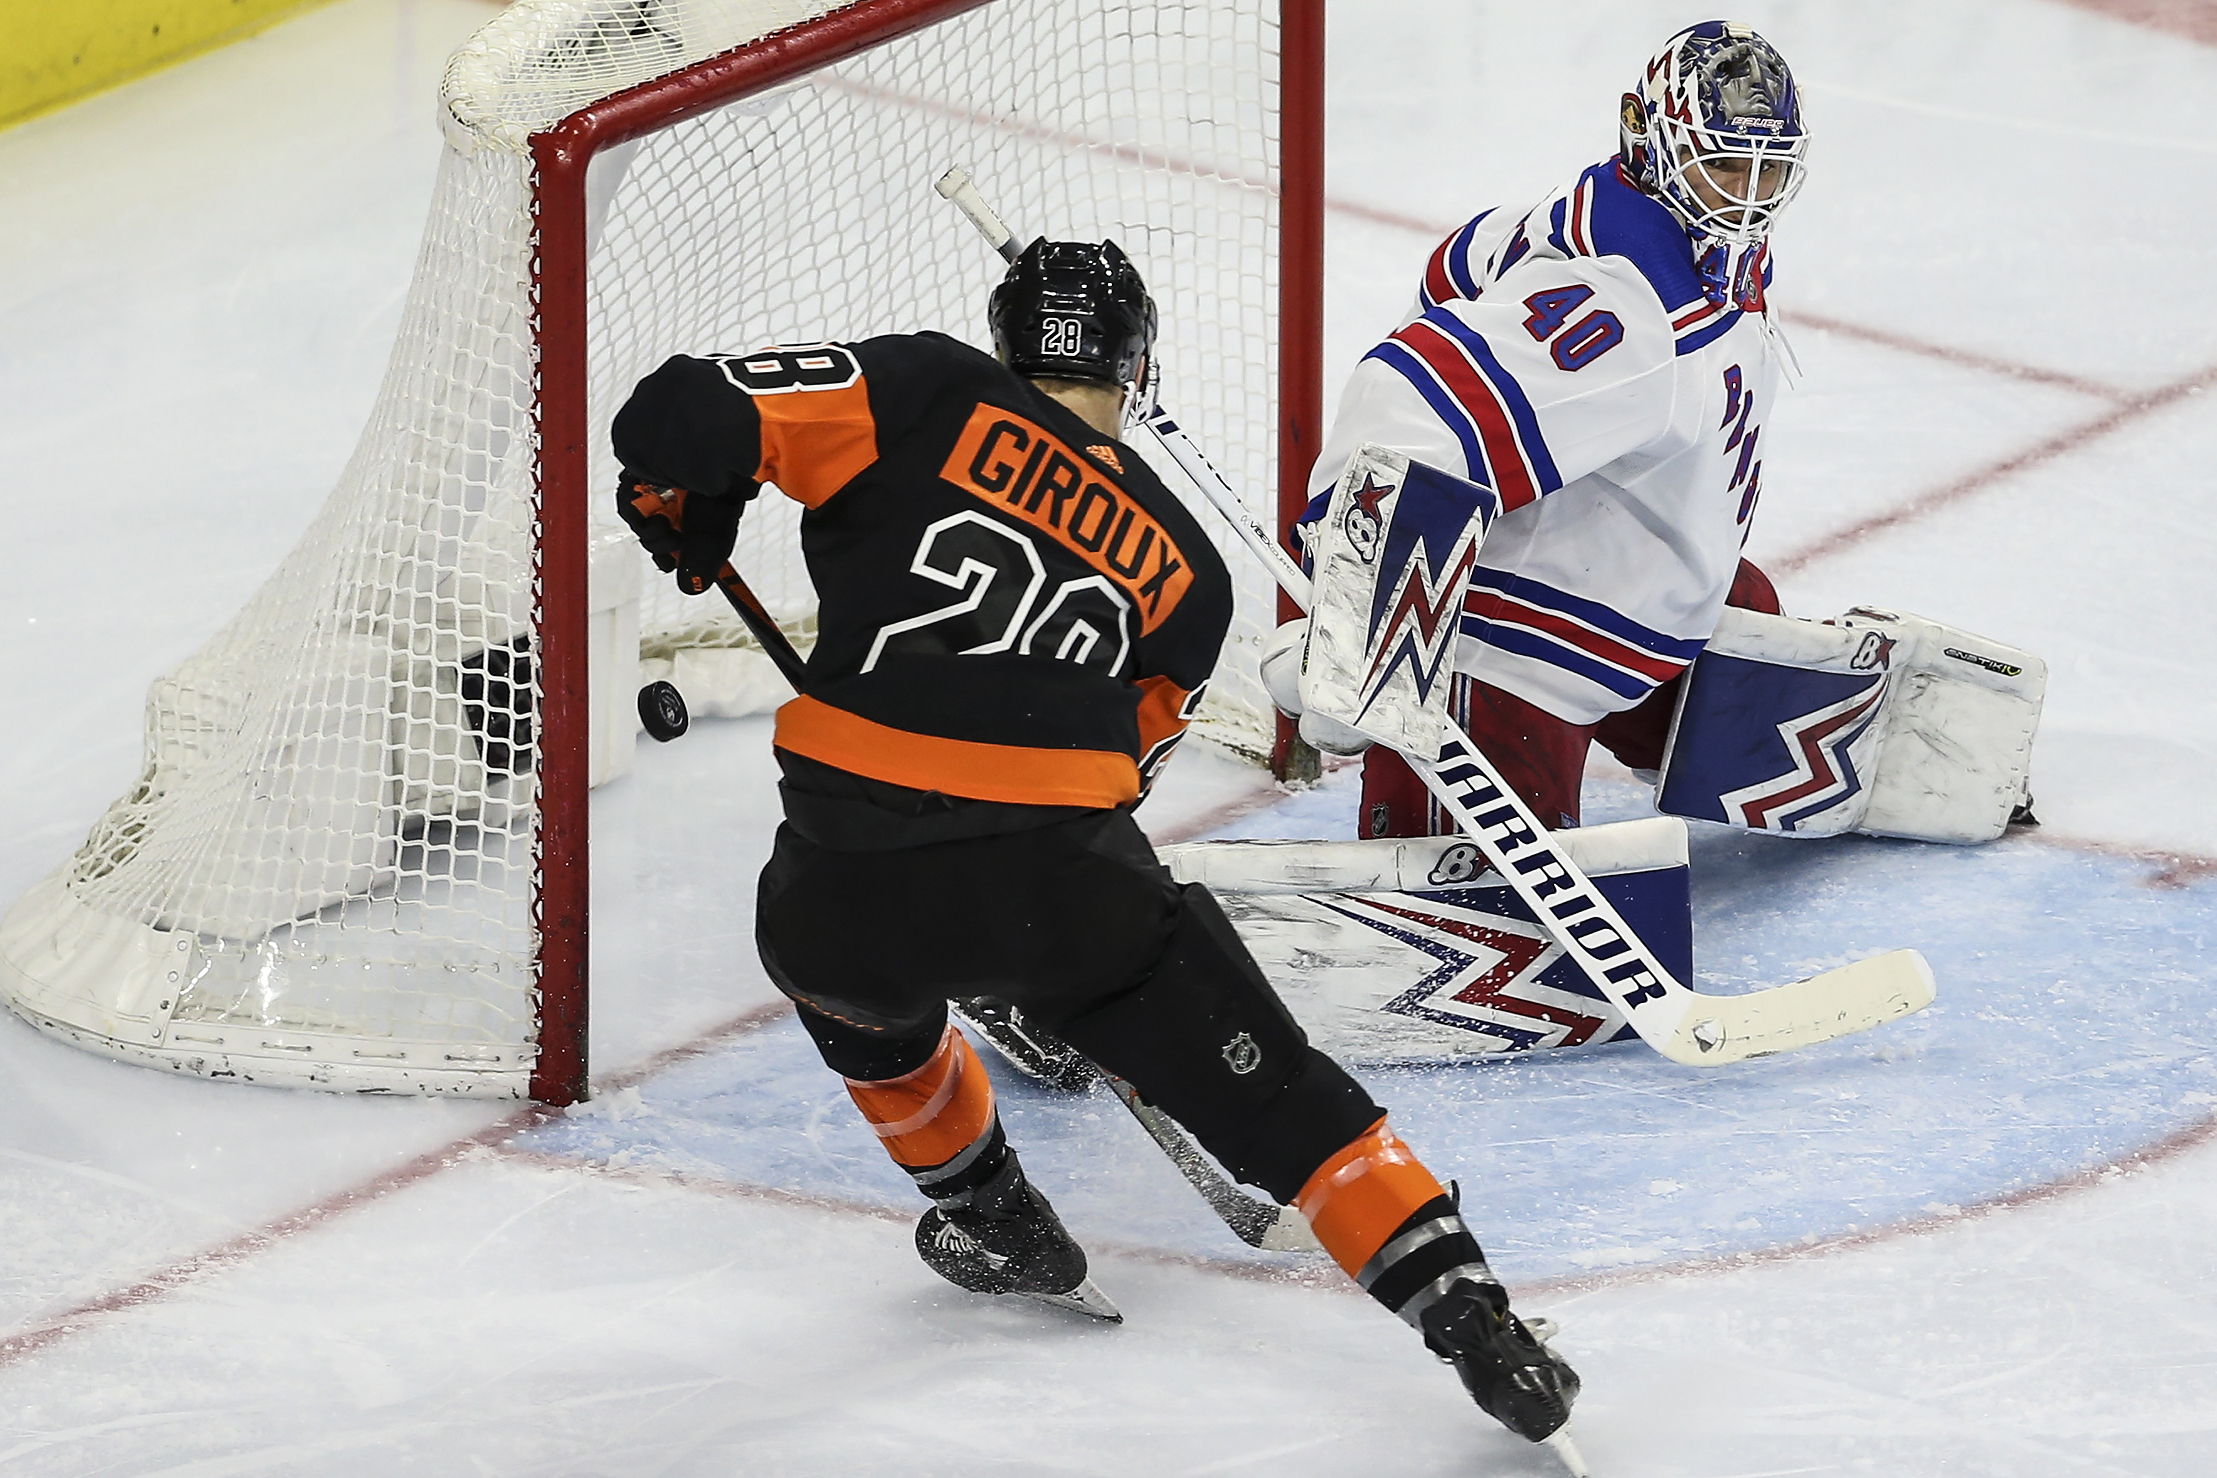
<point x="327" y="872"/>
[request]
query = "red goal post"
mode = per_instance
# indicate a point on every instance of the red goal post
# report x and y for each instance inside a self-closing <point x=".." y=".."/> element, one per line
<point x="358" y="858"/>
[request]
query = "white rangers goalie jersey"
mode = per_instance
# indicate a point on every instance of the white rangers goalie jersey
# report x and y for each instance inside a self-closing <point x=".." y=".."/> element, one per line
<point x="1610" y="387"/>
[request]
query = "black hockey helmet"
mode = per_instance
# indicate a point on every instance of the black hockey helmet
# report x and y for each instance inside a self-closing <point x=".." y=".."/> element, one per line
<point x="1073" y="309"/>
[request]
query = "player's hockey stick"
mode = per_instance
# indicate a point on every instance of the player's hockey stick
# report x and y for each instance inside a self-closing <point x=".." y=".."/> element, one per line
<point x="1257" y="1223"/>
<point x="1253" y="1220"/>
<point x="749" y="607"/>
<point x="1683" y="1024"/>
<point x="764" y="626"/>
<point x="1057" y="1064"/>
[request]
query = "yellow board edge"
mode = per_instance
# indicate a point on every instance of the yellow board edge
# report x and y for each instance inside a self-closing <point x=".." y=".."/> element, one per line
<point x="57" y="52"/>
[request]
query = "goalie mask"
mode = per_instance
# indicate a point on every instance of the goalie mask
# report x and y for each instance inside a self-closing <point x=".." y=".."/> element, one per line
<point x="1714" y="130"/>
<point x="1073" y="309"/>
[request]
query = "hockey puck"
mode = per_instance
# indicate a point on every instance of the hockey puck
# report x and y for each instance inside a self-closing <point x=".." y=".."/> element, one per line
<point x="662" y="711"/>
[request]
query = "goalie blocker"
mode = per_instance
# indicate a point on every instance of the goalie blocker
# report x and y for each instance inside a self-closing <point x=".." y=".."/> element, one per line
<point x="1393" y="556"/>
<point x="1877" y="722"/>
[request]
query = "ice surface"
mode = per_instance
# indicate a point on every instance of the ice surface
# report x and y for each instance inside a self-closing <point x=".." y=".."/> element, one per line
<point x="1975" y="1242"/>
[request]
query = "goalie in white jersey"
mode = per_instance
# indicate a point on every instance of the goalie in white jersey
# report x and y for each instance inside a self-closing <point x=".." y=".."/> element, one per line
<point x="1604" y="361"/>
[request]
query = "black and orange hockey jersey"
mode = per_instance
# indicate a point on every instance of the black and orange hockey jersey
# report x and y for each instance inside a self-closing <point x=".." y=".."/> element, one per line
<point x="1011" y="607"/>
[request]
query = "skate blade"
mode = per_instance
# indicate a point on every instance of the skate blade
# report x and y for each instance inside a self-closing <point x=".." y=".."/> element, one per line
<point x="1087" y="1299"/>
<point x="1558" y="1441"/>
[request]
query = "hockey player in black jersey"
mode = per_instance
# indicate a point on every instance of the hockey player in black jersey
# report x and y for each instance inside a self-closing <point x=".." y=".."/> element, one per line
<point x="1016" y="620"/>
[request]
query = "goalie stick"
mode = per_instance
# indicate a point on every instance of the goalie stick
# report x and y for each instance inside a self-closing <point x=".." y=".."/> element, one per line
<point x="1683" y="1024"/>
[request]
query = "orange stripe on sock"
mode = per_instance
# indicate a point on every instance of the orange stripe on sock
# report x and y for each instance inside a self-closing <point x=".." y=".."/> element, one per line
<point x="933" y="1114"/>
<point x="1358" y="1199"/>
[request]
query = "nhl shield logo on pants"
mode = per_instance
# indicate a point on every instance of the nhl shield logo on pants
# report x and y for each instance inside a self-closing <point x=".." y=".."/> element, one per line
<point x="1242" y="1054"/>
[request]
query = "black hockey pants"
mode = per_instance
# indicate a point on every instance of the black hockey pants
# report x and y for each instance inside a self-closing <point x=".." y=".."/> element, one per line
<point x="1077" y="924"/>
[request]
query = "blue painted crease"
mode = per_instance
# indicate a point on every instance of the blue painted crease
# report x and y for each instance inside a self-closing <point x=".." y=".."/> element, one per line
<point x="2074" y="1025"/>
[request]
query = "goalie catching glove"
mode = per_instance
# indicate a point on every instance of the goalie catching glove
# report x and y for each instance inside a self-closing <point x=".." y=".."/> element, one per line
<point x="687" y="533"/>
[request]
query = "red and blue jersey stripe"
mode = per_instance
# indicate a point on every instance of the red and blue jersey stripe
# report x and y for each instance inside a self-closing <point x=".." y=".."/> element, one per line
<point x="1448" y="274"/>
<point x="1515" y="613"/>
<point x="1451" y="366"/>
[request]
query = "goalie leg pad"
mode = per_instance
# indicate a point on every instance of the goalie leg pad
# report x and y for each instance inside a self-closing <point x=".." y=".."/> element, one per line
<point x="1876" y="722"/>
<point x="1207" y="1041"/>
<point x="1410" y="950"/>
<point x="1637" y="735"/>
<point x="1779" y="727"/>
<point x="1961" y="713"/>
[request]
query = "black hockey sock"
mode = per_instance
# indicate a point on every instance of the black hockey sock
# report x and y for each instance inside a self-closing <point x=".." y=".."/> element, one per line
<point x="1426" y="1256"/>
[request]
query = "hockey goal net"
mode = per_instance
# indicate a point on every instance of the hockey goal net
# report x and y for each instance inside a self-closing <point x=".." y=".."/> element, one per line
<point x="356" y="858"/>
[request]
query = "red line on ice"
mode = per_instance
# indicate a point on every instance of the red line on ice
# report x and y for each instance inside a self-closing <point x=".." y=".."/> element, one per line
<point x="2173" y="868"/>
<point x="2135" y="408"/>
<point x="1887" y="338"/>
<point x="2171" y="1146"/>
<point x="189" y="1270"/>
<point x="2196" y="20"/>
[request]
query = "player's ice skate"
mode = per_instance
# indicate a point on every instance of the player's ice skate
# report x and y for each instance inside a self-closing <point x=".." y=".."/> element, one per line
<point x="1506" y="1365"/>
<point x="1011" y="1241"/>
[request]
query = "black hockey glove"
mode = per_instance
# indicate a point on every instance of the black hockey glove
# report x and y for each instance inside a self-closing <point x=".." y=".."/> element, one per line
<point x="688" y="533"/>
